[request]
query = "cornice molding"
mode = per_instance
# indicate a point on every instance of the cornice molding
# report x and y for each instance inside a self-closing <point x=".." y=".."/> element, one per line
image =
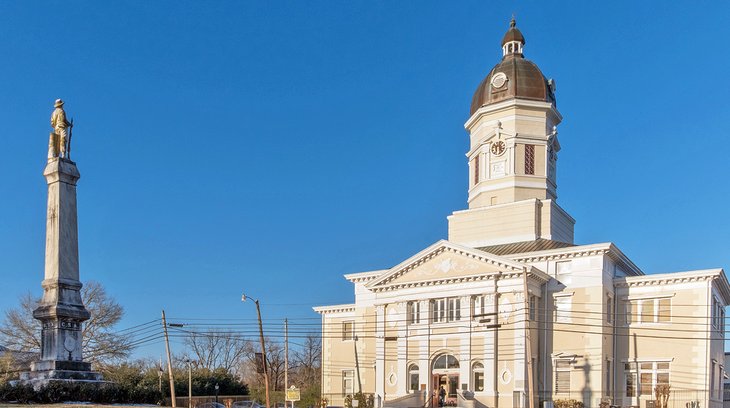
<point x="562" y="255"/>
<point x="510" y="103"/>
<point x="710" y="275"/>
<point x="334" y="309"/>
<point x="663" y="280"/>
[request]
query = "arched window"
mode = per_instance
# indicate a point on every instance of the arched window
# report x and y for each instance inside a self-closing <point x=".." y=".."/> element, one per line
<point x="478" y="376"/>
<point x="445" y="362"/>
<point x="413" y="379"/>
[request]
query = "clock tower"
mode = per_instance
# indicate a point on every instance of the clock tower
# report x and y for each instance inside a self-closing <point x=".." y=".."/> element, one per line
<point x="513" y="153"/>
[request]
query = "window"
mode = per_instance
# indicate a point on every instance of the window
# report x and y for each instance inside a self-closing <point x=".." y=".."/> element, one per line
<point x="563" y="271"/>
<point x="454" y="311"/>
<point x="562" y="376"/>
<point x="650" y="374"/>
<point x="609" y="309"/>
<point x="563" y="306"/>
<point x="439" y="310"/>
<point x="627" y="306"/>
<point x="718" y="316"/>
<point x="609" y="378"/>
<point x="447" y="309"/>
<point x="478" y="370"/>
<point x="533" y="308"/>
<point x="414" y="312"/>
<point x="712" y="379"/>
<point x="651" y="310"/>
<point x="445" y="362"/>
<point x="413" y="379"/>
<point x="476" y="169"/>
<point x="479" y="307"/>
<point x="348" y="330"/>
<point x="348" y="382"/>
<point x="630" y="384"/>
<point x="529" y="159"/>
<point x="720" y="378"/>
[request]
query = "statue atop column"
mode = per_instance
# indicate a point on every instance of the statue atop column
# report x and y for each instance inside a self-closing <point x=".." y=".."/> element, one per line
<point x="61" y="311"/>
<point x="59" y="144"/>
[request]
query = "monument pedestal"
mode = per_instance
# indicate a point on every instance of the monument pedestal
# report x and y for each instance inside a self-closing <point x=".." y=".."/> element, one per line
<point x="61" y="310"/>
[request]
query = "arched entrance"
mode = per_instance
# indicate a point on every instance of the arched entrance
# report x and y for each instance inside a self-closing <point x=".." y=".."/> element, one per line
<point x="444" y="373"/>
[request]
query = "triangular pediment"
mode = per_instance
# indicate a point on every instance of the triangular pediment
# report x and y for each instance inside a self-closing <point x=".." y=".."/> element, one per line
<point x="443" y="262"/>
<point x="490" y="136"/>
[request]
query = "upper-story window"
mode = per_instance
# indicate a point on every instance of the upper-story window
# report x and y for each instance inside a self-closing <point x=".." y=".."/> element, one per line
<point x="533" y="308"/>
<point x="414" y="312"/>
<point x="529" y="159"/>
<point x="479" y="307"/>
<point x="718" y="316"/>
<point x="446" y="310"/>
<point x="650" y="310"/>
<point x="348" y="330"/>
<point x="609" y="309"/>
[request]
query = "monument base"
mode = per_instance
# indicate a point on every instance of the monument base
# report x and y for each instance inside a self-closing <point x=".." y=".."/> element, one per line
<point x="47" y="371"/>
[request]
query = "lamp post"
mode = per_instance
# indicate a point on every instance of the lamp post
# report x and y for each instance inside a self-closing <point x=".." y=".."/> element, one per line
<point x="263" y="346"/>
<point x="190" y="382"/>
<point x="216" y="394"/>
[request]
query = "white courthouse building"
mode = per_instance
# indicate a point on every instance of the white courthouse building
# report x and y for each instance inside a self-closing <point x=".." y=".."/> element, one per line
<point x="509" y="309"/>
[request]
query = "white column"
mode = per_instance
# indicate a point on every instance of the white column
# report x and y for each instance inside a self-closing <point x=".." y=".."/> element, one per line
<point x="519" y="337"/>
<point x="402" y="347"/>
<point x="380" y="351"/>
<point x="491" y="356"/>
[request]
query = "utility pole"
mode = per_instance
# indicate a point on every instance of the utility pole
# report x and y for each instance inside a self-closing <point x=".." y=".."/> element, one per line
<point x="263" y="347"/>
<point x="169" y="360"/>
<point x="286" y="361"/>
<point x="357" y="361"/>
<point x="263" y="351"/>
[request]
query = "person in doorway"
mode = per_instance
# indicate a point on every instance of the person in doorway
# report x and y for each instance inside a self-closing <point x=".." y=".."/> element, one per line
<point x="442" y="396"/>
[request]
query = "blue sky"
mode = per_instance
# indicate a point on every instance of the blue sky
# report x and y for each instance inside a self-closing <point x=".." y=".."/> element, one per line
<point x="273" y="146"/>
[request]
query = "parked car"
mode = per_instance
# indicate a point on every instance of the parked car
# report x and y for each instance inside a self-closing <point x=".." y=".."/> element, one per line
<point x="247" y="404"/>
<point x="210" y="405"/>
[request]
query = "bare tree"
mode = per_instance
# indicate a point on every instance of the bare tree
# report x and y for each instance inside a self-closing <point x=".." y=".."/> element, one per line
<point x="216" y="349"/>
<point x="307" y="361"/>
<point x="21" y="332"/>
<point x="274" y="361"/>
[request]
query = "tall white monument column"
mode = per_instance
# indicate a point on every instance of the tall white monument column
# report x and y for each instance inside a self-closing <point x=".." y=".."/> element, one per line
<point x="61" y="310"/>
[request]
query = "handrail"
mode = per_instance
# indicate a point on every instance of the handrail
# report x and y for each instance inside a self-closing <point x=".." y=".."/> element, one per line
<point x="428" y="401"/>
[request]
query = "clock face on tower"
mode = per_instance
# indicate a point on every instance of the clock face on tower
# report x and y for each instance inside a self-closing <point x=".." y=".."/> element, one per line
<point x="498" y="148"/>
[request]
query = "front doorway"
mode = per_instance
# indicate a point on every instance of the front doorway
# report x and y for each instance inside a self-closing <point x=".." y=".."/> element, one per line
<point x="444" y="376"/>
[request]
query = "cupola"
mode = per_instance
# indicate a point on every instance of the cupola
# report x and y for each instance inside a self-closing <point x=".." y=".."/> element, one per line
<point x="514" y="76"/>
<point x="513" y="40"/>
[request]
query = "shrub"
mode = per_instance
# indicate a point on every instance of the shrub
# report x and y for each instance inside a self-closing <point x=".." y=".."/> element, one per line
<point x="363" y="400"/>
<point x="62" y="391"/>
<point x="567" y="403"/>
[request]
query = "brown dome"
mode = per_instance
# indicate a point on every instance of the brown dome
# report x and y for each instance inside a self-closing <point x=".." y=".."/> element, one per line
<point x="513" y="77"/>
<point x="513" y="34"/>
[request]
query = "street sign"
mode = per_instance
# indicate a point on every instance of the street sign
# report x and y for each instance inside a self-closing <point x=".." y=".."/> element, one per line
<point x="292" y="394"/>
